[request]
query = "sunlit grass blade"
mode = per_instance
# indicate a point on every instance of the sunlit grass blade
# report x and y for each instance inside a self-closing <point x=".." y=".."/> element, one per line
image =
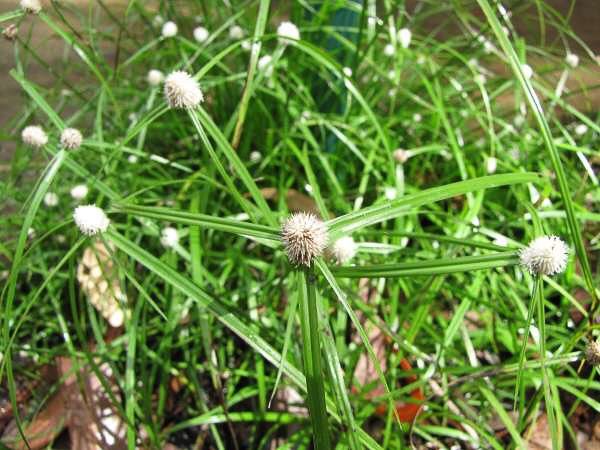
<point x="433" y="267"/>
<point x="391" y="209"/>
<point x="202" y="220"/>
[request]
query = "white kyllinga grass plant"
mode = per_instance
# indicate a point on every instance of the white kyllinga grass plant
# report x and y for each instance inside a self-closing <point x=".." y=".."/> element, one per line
<point x="304" y="238"/>
<point x="307" y="264"/>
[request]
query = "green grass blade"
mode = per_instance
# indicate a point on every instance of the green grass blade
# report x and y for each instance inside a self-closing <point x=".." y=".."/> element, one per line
<point x="311" y="355"/>
<point x="391" y="209"/>
<point x="433" y="267"/>
<point x="203" y="221"/>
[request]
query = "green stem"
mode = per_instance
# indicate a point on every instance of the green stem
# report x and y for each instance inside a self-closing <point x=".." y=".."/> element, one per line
<point x="311" y="354"/>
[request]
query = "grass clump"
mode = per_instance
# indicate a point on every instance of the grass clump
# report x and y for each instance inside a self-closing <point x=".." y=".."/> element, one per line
<point x="296" y="226"/>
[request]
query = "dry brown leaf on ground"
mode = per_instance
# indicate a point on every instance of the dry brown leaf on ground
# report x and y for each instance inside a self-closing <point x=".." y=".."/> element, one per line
<point x="86" y="409"/>
<point x="296" y="201"/>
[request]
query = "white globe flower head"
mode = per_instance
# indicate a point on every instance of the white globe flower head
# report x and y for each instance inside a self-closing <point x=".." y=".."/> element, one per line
<point x="90" y="219"/>
<point x="155" y="77"/>
<point x="264" y="65"/>
<point x="390" y="193"/>
<point x="344" y="249"/>
<point x="35" y="136"/>
<point x="169" y="29"/>
<point x="169" y="237"/>
<point x="572" y="60"/>
<point x="592" y="353"/>
<point x="545" y="255"/>
<point x="480" y="78"/>
<point x="527" y="71"/>
<point x="287" y="31"/>
<point x="200" y="34"/>
<point x="71" y="138"/>
<point x="255" y="156"/>
<point x="404" y="37"/>
<point x="401" y="155"/>
<point x="158" y="20"/>
<point x="581" y="129"/>
<point x="51" y="199"/>
<point x="79" y="192"/>
<point x="31" y="6"/>
<point x="491" y="164"/>
<point x="417" y="117"/>
<point x="132" y="159"/>
<point x="236" y="32"/>
<point x="304" y="237"/>
<point x="182" y="90"/>
<point x="389" y="50"/>
<point x="347" y="71"/>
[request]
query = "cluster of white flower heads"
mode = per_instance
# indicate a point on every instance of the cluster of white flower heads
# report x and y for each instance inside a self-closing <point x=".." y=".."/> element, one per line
<point x="35" y="136"/>
<point x="200" y="34"/>
<point x="182" y="90"/>
<point x="169" y="237"/>
<point x="155" y="77"/>
<point x="169" y="29"/>
<point x="71" y="138"/>
<point x="304" y="237"/>
<point x="31" y="6"/>
<point x="545" y="255"/>
<point x="287" y="31"/>
<point x="344" y="249"/>
<point x="90" y="219"/>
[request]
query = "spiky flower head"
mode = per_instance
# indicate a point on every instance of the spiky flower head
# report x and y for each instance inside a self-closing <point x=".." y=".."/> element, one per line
<point x="169" y="237"/>
<point x="169" y="29"/>
<point x="404" y="37"/>
<point x="592" y="353"/>
<point x="200" y="34"/>
<point x="31" y="6"/>
<point x="155" y="77"/>
<point x="79" y="192"/>
<point x="545" y="255"/>
<point x="34" y="135"/>
<point x="287" y="31"/>
<point x="304" y="236"/>
<point x="344" y="249"/>
<point x="71" y="138"/>
<point x="182" y="90"/>
<point x="572" y="60"/>
<point x="90" y="219"/>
